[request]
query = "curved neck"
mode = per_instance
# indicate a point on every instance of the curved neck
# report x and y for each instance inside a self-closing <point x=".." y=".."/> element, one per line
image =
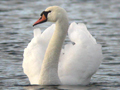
<point x="49" y="69"/>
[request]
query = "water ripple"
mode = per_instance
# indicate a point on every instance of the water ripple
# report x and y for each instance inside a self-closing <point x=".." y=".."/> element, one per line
<point x="16" y="18"/>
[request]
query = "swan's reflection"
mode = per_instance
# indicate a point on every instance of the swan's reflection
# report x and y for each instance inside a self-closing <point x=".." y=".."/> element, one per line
<point x="34" y="87"/>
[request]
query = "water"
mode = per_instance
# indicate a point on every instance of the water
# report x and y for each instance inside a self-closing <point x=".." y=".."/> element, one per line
<point x="102" y="18"/>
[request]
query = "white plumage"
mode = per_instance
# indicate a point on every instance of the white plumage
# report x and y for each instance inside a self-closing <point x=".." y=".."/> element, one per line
<point x="77" y="63"/>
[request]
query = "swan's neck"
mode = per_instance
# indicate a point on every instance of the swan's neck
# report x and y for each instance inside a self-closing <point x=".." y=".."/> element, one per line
<point x="49" y="69"/>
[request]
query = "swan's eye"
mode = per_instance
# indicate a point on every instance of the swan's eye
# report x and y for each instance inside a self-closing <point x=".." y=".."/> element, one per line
<point x="45" y="13"/>
<point x="49" y="11"/>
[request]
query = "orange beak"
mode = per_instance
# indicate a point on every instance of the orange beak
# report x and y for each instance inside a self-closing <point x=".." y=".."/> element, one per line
<point x="40" y="20"/>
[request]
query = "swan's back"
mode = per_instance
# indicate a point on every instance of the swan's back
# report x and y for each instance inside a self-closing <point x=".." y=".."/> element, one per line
<point x="77" y="62"/>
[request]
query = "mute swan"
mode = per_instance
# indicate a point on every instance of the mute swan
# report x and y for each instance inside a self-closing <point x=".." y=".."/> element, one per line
<point x="47" y="63"/>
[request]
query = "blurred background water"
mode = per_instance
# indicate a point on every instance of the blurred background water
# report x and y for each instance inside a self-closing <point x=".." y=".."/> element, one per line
<point x="102" y="18"/>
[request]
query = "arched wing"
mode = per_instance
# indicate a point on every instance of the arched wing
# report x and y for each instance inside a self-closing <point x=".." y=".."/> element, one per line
<point x="81" y="60"/>
<point x="34" y="53"/>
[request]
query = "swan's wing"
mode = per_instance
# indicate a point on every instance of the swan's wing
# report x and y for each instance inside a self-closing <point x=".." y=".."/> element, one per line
<point x="78" y="33"/>
<point x="81" y="60"/>
<point x="34" y="53"/>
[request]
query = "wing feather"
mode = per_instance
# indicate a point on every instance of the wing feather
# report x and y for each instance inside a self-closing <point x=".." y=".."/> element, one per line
<point x="81" y="60"/>
<point x="34" y="53"/>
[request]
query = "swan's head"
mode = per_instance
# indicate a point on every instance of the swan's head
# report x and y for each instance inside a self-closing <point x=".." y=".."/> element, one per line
<point x="52" y="14"/>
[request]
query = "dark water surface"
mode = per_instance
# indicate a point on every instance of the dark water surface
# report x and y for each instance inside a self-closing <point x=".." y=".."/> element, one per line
<point x="102" y="18"/>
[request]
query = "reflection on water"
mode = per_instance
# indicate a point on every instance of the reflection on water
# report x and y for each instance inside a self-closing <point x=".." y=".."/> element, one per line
<point x="102" y="18"/>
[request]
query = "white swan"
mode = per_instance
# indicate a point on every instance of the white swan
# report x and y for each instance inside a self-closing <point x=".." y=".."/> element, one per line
<point x="46" y="64"/>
